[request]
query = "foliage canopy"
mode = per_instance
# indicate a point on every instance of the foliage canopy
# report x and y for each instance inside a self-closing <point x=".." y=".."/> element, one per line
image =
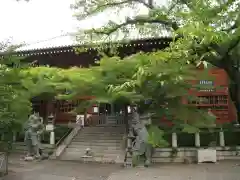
<point x="201" y="30"/>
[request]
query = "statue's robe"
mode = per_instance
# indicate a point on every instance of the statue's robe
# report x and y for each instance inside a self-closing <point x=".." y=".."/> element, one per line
<point x="141" y="144"/>
<point x="33" y="129"/>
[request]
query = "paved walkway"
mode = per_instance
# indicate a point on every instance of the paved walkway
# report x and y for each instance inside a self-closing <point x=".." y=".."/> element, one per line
<point x="220" y="171"/>
<point x="56" y="170"/>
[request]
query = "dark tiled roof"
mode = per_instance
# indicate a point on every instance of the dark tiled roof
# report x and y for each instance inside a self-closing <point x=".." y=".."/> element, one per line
<point x="50" y="49"/>
<point x="68" y="40"/>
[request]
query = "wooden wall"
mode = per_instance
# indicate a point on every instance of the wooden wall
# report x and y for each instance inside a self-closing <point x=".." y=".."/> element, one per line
<point x="218" y="100"/>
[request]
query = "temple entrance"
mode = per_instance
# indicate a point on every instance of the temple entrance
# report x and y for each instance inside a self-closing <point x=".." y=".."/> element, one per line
<point x="97" y="115"/>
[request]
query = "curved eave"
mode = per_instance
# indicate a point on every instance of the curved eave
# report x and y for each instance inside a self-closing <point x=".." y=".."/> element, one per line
<point x="72" y="48"/>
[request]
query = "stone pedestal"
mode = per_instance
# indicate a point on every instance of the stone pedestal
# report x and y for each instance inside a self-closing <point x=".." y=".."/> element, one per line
<point x="206" y="155"/>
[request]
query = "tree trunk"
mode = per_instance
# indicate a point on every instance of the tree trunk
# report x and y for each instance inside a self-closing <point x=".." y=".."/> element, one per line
<point x="234" y="85"/>
<point x="237" y="89"/>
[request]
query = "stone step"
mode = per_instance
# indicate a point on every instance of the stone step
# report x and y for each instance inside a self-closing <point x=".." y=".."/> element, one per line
<point x="99" y="133"/>
<point x="105" y="127"/>
<point x="75" y="156"/>
<point x="98" y="140"/>
<point x="94" y="147"/>
<point x="110" y="158"/>
<point x="103" y="130"/>
<point x="96" y="136"/>
<point x="105" y="144"/>
<point x="107" y="160"/>
<point x="90" y="138"/>
<point x="95" y="150"/>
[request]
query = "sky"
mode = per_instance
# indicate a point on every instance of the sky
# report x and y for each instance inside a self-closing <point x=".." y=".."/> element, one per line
<point x="39" y="20"/>
<point x="34" y="20"/>
<point x="42" y="23"/>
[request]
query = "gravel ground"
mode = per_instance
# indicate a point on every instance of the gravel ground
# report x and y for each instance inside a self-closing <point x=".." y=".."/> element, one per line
<point x="226" y="170"/>
<point x="65" y="170"/>
<point x="59" y="170"/>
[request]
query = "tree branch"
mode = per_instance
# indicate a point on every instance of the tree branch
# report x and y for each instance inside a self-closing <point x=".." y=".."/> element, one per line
<point x="107" y="5"/>
<point x="109" y="31"/>
<point x="149" y="5"/>
<point x="223" y="6"/>
<point x="232" y="45"/>
<point x="121" y="3"/>
<point x="234" y="26"/>
<point x="223" y="54"/>
<point x="115" y="4"/>
<point x="172" y="7"/>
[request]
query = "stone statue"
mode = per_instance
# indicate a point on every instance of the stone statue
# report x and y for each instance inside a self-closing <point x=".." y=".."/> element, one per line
<point x="33" y="130"/>
<point x="141" y="147"/>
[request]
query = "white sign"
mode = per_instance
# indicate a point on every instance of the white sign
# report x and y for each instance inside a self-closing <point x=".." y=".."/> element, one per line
<point x="49" y="127"/>
<point x="95" y="109"/>
<point x="206" y="82"/>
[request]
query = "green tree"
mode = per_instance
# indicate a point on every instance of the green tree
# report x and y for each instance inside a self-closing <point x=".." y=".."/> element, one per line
<point x="127" y="81"/>
<point x="15" y="101"/>
<point x="159" y="76"/>
<point x="201" y="29"/>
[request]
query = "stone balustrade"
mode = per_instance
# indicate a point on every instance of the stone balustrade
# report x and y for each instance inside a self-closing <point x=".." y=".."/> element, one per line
<point x="198" y="140"/>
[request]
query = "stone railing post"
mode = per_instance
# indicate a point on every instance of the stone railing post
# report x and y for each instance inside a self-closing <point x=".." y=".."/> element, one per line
<point x="197" y="139"/>
<point x="174" y="140"/>
<point x="52" y="137"/>
<point x="14" y="136"/>
<point x="221" y="138"/>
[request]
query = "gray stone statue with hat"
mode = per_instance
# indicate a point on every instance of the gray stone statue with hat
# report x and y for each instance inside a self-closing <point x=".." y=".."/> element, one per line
<point x="33" y="130"/>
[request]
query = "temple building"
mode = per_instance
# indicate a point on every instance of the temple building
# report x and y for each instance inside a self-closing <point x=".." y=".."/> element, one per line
<point x="214" y="95"/>
<point x="105" y="135"/>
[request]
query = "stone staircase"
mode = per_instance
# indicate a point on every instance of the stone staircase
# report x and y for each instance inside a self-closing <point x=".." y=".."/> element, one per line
<point x="106" y="144"/>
